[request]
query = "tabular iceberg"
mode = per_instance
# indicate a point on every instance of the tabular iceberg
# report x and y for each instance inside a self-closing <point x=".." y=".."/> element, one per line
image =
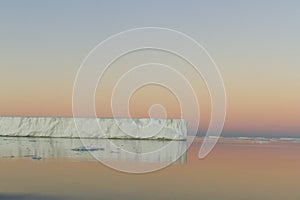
<point x="121" y="128"/>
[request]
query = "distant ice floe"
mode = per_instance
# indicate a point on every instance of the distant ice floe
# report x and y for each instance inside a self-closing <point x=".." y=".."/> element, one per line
<point x="265" y="140"/>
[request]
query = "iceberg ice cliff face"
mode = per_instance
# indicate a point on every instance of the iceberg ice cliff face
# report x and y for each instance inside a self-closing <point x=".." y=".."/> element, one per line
<point x="122" y="128"/>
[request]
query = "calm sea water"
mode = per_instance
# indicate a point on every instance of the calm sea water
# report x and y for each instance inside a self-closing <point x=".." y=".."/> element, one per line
<point x="237" y="168"/>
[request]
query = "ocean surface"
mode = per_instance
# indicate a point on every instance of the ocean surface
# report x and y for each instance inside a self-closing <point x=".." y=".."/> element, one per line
<point x="240" y="168"/>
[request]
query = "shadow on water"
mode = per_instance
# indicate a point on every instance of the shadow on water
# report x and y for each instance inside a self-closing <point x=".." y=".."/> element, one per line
<point x="12" y="196"/>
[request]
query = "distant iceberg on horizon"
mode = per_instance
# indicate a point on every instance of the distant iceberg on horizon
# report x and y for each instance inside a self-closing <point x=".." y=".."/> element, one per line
<point x="109" y="128"/>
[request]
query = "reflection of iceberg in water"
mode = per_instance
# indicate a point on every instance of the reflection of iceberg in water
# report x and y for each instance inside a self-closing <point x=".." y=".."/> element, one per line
<point x="104" y="149"/>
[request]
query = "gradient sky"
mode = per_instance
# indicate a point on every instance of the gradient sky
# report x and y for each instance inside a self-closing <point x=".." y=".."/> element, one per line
<point x="256" y="45"/>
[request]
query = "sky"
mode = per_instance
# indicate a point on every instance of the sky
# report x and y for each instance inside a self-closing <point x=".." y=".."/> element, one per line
<point x="255" y="44"/>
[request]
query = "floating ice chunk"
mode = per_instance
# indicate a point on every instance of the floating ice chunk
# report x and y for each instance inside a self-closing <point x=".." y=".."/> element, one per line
<point x="36" y="157"/>
<point x="88" y="149"/>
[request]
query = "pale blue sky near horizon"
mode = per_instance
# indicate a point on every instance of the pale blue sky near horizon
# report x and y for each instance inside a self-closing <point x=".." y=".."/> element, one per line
<point x="256" y="45"/>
